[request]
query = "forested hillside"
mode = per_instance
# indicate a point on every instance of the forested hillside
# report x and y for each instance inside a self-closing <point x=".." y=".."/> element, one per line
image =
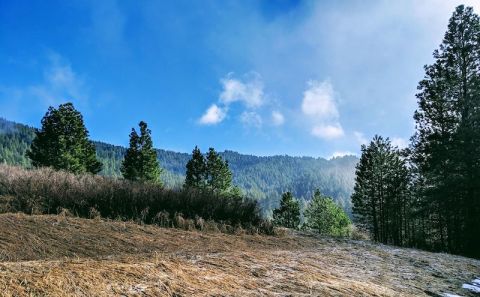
<point x="263" y="178"/>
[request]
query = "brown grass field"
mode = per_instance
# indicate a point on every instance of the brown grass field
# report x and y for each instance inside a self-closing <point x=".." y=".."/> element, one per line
<point x="65" y="256"/>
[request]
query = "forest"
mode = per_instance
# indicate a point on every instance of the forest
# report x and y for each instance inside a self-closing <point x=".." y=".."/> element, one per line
<point x="428" y="195"/>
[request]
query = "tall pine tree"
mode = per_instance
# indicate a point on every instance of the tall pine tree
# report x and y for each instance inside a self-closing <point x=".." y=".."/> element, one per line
<point x="381" y="200"/>
<point x="62" y="142"/>
<point x="140" y="162"/>
<point x="219" y="176"/>
<point x="446" y="146"/>
<point x="196" y="174"/>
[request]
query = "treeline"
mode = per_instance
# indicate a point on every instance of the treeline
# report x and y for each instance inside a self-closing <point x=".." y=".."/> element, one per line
<point x="262" y="178"/>
<point x="428" y="195"/>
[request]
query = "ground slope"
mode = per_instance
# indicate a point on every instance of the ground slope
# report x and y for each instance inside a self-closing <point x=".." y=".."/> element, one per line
<point x="61" y="256"/>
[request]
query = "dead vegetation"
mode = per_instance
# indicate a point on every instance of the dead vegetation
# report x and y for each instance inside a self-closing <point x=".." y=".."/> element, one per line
<point x="67" y="256"/>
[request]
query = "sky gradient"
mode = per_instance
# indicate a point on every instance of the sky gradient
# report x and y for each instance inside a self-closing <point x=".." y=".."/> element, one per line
<point x="314" y="78"/>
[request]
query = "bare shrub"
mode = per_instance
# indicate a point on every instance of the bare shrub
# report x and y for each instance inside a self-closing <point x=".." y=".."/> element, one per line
<point x="179" y="221"/>
<point x="199" y="223"/>
<point x="44" y="190"/>
<point x="6" y="203"/>
<point x="189" y="225"/>
<point x="94" y="214"/>
<point x="144" y="215"/>
<point x="162" y="219"/>
<point x="358" y="234"/>
<point x="281" y="232"/>
<point x="63" y="212"/>
<point x="211" y="226"/>
<point x="238" y="230"/>
<point x="266" y="227"/>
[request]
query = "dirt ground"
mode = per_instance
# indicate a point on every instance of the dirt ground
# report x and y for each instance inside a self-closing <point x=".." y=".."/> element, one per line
<point x="64" y="256"/>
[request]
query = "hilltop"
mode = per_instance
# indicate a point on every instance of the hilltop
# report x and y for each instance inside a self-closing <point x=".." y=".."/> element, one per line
<point x="60" y="256"/>
<point x="262" y="178"/>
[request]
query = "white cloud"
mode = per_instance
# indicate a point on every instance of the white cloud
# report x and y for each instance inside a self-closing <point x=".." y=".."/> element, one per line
<point x="318" y="100"/>
<point x="360" y="137"/>
<point x="319" y="105"/>
<point x="399" y="142"/>
<point x="251" y="118"/>
<point x="213" y="115"/>
<point x="249" y="91"/>
<point x="327" y="131"/>
<point x="277" y="118"/>
<point x="60" y="84"/>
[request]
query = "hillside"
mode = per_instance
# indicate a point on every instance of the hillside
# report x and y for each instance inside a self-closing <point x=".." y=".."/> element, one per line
<point x="263" y="178"/>
<point x="71" y="256"/>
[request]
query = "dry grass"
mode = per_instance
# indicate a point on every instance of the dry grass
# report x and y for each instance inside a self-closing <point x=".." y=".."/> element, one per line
<point x="65" y="256"/>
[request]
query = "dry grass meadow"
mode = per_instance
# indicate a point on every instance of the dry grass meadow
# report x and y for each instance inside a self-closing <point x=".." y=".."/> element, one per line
<point x="65" y="256"/>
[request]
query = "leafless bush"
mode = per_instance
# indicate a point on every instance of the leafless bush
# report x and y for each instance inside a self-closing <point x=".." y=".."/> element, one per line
<point x="94" y="214"/>
<point x="211" y="226"/>
<point x="238" y="230"/>
<point x="6" y="203"/>
<point x="189" y="225"/>
<point x="44" y="190"/>
<point x="144" y="215"/>
<point x="199" y="223"/>
<point x="357" y="233"/>
<point x="179" y="221"/>
<point x="63" y="212"/>
<point x="162" y="219"/>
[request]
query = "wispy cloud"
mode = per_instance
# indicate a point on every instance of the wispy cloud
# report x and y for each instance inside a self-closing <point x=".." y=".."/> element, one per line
<point x="327" y="131"/>
<point x="277" y="118"/>
<point x="318" y="101"/>
<point x="213" y="115"/>
<point x="107" y="26"/>
<point x="319" y="105"/>
<point x="360" y="137"/>
<point x="248" y="91"/>
<point x="251" y="118"/>
<point x="60" y="83"/>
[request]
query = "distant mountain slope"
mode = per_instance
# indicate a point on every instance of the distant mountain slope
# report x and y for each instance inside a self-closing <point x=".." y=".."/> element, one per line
<point x="264" y="178"/>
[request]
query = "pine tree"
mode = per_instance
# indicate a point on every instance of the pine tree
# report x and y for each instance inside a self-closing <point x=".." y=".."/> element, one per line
<point x="446" y="146"/>
<point x="381" y="203"/>
<point x="288" y="214"/>
<point x="219" y="176"/>
<point x="140" y="162"/>
<point x="196" y="174"/>
<point x="324" y="216"/>
<point x="62" y="142"/>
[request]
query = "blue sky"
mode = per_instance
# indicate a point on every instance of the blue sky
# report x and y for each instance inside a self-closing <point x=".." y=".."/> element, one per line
<point x="315" y="78"/>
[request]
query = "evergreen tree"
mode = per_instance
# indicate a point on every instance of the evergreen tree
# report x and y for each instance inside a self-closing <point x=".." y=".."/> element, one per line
<point x="196" y="174"/>
<point x="446" y="146"/>
<point x="288" y="215"/>
<point x="219" y="176"/>
<point x="62" y="142"/>
<point x="140" y="162"/>
<point x="325" y="217"/>
<point x="381" y="203"/>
